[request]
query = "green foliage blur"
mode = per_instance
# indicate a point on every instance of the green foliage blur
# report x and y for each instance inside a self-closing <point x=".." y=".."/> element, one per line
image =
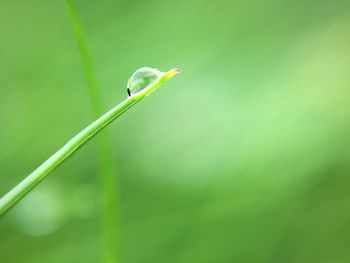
<point x="244" y="157"/>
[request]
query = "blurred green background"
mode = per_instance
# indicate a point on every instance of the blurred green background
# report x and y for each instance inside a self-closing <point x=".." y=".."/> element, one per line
<point x="244" y="157"/>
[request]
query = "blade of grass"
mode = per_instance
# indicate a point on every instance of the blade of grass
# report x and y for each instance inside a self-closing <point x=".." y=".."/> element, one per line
<point x="109" y="187"/>
<point x="10" y="199"/>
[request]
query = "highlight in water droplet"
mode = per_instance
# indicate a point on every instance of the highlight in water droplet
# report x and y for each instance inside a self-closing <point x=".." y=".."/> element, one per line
<point x="141" y="79"/>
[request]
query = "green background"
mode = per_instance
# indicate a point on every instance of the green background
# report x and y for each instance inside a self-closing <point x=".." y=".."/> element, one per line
<point x="244" y="157"/>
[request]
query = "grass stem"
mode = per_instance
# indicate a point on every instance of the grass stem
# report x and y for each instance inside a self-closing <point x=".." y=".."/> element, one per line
<point x="109" y="186"/>
<point x="26" y="185"/>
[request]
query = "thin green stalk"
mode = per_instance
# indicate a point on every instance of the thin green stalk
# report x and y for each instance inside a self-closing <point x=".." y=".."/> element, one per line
<point x="91" y="83"/>
<point x="26" y="185"/>
<point x="109" y="187"/>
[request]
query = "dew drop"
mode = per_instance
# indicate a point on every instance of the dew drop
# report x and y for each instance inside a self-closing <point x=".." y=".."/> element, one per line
<point x="142" y="79"/>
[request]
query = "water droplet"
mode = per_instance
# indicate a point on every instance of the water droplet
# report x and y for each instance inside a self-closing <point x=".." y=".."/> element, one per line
<point x="141" y="79"/>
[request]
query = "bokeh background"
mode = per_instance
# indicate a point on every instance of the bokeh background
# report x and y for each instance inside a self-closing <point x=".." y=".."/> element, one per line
<point x="244" y="157"/>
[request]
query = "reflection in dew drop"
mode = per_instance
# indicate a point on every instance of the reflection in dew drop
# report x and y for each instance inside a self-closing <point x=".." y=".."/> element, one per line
<point x="40" y="213"/>
<point x="141" y="79"/>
